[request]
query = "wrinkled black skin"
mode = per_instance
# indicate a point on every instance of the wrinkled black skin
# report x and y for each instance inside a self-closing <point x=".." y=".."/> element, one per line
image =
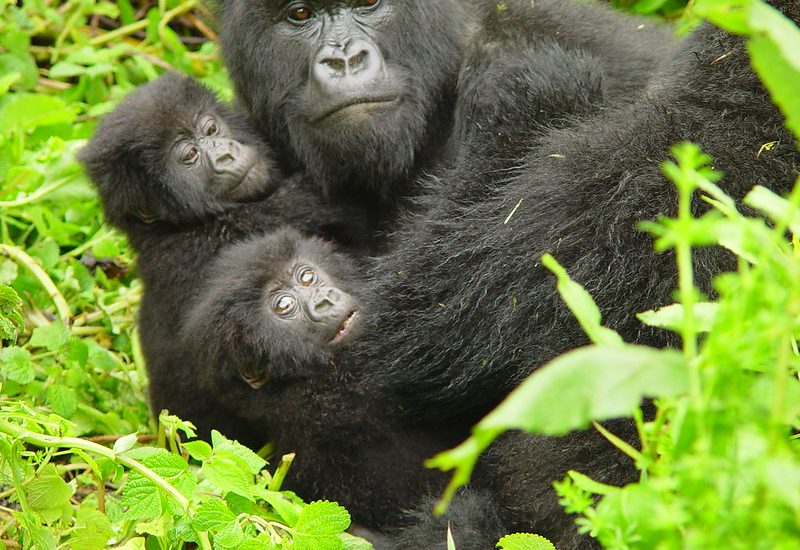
<point x="433" y="55"/>
<point x="349" y="447"/>
<point x="130" y="161"/>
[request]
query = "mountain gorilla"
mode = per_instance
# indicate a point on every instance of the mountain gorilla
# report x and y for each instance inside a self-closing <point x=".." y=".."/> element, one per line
<point x="462" y="309"/>
<point x="182" y="177"/>
<point x="363" y="93"/>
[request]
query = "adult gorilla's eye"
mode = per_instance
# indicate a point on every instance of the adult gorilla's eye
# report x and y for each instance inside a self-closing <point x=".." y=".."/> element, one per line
<point x="300" y="13"/>
<point x="284" y="305"/>
<point x="306" y="277"/>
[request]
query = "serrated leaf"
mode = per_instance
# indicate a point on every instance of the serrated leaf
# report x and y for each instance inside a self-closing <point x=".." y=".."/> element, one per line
<point x="229" y="474"/>
<point x="323" y="518"/>
<point x="48" y="494"/>
<point x="141" y="497"/>
<point x="15" y="365"/>
<point x="92" y="530"/>
<point x="303" y="541"/>
<point x="230" y="536"/>
<point x="51" y="337"/>
<point x="213" y="515"/>
<point x="590" y="383"/>
<point x="63" y="400"/>
<point x="525" y="541"/>
<point x="224" y="445"/>
<point x="125" y="443"/>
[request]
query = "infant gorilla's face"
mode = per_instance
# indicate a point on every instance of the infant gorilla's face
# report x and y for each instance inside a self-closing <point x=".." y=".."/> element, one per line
<point x="306" y="300"/>
<point x="212" y="158"/>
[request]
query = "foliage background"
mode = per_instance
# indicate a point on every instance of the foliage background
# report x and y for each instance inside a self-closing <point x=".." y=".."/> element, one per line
<point x="82" y="463"/>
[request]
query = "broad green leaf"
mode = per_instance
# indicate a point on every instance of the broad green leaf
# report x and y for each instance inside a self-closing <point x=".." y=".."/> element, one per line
<point x="66" y="69"/>
<point x="51" y="337"/>
<point x="525" y="541"/>
<point x="303" y="541"/>
<point x="229" y="473"/>
<point x="671" y="317"/>
<point x="781" y="78"/>
<point x="778" y="209"/>
<point x="15" y="365"/>
<point x="213" y="515"/>
<point x="48" y="494"/>
<point x="582" y="305"/>
<point x="63" y="400"/>
<point x="199" y="450"/>
<point x="231" y="536"/>
<point x="141" y="498"/>
<point x="92" y="530"/>
<point x="323" y="518"/>
<point x="286" y="509"/>
<point x="29" y="111"/>
<point x="223" y="445"/>
<point x="590" y="383"/>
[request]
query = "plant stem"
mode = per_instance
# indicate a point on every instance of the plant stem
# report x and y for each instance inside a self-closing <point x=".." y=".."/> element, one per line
<point x="49" y="441"/>
<point x="172" y="14"/>
<point x="38" y="194"/>
<point x="16" y="254"/>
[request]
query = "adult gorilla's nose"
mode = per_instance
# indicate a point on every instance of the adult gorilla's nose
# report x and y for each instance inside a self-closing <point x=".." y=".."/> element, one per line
<point x="343" y="68"/>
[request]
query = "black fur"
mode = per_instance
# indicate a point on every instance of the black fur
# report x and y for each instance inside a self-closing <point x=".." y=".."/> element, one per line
<point x="127" y="160"/>
<point x="435" y="54"/>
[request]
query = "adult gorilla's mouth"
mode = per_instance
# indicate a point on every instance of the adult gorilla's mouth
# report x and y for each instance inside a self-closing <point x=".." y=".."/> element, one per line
<point x="344" y="328"/>
<point x="361" y="103"/>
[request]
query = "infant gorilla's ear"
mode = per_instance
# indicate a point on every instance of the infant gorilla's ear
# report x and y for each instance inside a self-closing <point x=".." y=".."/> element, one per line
<point x="273" y="308"/>
<point x="170" y="152"/>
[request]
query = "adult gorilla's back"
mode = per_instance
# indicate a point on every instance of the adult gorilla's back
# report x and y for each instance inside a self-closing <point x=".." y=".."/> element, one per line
<point x="364" y="94"/>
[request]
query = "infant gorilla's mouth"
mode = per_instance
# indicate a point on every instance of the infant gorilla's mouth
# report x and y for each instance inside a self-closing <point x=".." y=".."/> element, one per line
<point x="344" y="328"/>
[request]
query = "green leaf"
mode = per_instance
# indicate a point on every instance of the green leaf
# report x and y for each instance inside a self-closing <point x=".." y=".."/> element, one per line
<point x="525" y="541"/>
<point x="323" y="518"/>
<point x="125" y="443"/>
<point x="92" y="530"/>
<point x="590" y="383"/>
<point x="229" y="473"/>
<point x="352" y="542"/>
<point x="29" y="111"/>
<point x="199" y="450"/>
<point x="671" y="317"/>
<point x="582" y="305"/>
<point x="141" y="497"/>
<point x="223" y="445"/>
<point x="213" y="515"/>
<point x="63" y="400"/>
<point x="15" y="365"/>
<point x="302" y="541"/>
<point x="289" y="511"/>
<point x="48" y="494"/>
<point x="51" y="337"/>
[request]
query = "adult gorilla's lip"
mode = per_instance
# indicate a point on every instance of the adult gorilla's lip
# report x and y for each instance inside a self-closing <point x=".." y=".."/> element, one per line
<point x="353" y="102"/>
<point x="344" y="328"/>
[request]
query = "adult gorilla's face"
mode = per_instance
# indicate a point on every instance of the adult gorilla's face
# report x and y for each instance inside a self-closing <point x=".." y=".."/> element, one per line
<point x="358" y="92"/>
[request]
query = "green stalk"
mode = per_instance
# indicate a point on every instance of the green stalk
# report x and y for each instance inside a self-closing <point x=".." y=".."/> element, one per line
<point x="38" y="194"/>
<point x="17" y="254"/>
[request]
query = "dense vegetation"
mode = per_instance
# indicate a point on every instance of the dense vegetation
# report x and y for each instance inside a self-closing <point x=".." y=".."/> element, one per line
<point x="83" y="465"/>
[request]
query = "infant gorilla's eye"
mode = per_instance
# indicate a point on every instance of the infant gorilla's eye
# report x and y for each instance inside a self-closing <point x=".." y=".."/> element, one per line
<point x="300" y="14"/>
<point x="284" y="305"/>
<point x="211" y="129"/>
<point x="306" y="277"/>
<point x="367" y="3"/>
<point x="189" y="154"/>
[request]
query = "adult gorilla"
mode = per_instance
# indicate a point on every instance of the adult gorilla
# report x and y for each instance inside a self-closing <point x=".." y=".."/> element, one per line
<point x="363" y="93"/>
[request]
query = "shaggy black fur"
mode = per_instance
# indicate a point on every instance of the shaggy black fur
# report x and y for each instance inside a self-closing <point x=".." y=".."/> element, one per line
<point x="129" y="160"/>
<point x="434" y="56"/>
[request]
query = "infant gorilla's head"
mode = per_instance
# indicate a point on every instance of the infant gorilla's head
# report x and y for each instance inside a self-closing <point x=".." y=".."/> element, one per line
<point x="274" y="308"/>
<point x="171" y="152"/>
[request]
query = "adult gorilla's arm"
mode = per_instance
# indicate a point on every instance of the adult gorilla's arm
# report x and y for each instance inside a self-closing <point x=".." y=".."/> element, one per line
<point x="463" y="308"/>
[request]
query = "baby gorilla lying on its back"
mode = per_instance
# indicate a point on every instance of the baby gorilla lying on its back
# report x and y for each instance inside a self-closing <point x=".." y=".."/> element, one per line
<point x="272" y="312"/>
<point x="183" y="177"/>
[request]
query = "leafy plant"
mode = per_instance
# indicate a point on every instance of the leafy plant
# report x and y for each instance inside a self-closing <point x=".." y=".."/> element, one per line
<point x="719" y="465"/>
